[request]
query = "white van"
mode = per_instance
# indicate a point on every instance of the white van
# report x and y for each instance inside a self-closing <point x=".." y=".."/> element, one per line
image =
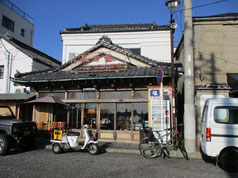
<point x="219" y="134"/>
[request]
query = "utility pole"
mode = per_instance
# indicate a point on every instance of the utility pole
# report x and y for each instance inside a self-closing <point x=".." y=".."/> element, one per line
<point x="189" y="107"/>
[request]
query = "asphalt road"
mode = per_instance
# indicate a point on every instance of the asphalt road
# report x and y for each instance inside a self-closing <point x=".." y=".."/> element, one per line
<point x="44" y="163"/>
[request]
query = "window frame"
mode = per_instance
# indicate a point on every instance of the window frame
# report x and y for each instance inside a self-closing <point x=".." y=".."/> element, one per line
<point x="1" y="71"/>
<point x="8" y="23"/>
<point x="23" y="32"/>
<point x="227" y="108"/>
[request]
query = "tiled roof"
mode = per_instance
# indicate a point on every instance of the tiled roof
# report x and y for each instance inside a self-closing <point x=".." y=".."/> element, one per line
<point x="116" y="28"/>
<point x="56" y="75"/>
<point x="16" y="96"/>
<point x="107" y="43"/>
<point x="32" y="52"/>
<point x="227" y="16"/>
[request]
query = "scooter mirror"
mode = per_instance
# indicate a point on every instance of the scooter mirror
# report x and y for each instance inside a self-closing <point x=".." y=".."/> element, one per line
<point x="86" y="126"/>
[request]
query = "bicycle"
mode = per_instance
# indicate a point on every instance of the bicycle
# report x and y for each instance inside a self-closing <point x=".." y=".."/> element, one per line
<point x="153" y="144"/>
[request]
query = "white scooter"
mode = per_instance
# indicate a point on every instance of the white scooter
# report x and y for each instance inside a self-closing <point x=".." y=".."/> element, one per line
<point x="70" y="141"/>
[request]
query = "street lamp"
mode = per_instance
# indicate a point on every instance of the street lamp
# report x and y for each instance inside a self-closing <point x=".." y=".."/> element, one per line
<point x="172" y="5"/>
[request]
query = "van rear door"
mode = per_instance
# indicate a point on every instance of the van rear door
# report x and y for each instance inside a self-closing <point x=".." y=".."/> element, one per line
<point x="225" y="126"/>
<point x="204" y="128"/>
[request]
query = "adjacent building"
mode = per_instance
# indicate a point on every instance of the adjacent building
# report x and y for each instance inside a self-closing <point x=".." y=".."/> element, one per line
<point x="215" y="60"/>
<point x="16" y="22"/>
<point x="18" y="57"/>
<point x="149" y="39"/>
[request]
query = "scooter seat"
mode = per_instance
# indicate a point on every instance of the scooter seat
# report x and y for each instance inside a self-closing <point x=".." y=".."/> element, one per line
<point x="73" y="134"/>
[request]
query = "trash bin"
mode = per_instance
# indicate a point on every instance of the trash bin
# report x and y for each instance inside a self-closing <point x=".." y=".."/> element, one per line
<point x="141" y="134"/>
<point x="40" y="125"/>
<point x="54" y="125"/>
<point x="61" y="125"/>
<point x="145" y="132"/>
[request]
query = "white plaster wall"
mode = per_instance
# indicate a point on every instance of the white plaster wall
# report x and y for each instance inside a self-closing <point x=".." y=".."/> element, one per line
<point x="20" y="62"/>
<point x="154" y="44"/>
<point x="19" y="23"/>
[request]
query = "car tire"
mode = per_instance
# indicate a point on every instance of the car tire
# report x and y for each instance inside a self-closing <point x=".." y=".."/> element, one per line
<point x="4" y="144"/>
<point x="56" y="148"/>
<point x="228" y="160"/>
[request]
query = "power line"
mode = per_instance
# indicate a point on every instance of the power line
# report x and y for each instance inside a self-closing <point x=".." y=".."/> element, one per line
<point x="204" y="5"/>
<point x="217" y="58"/>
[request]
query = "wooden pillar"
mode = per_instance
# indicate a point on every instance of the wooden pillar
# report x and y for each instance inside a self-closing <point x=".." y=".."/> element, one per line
<point x="34" y="113"/>
<point x="132" y="121"/>
<point x="115" y="122"/>
<point x="50" y="116"/>
<point x="98" y="113"/>
<point x="82" y="119"/>
<point x="68" y="118"/>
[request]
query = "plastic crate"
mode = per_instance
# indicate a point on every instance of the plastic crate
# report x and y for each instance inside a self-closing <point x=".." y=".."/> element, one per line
<point x="58" y="133"/>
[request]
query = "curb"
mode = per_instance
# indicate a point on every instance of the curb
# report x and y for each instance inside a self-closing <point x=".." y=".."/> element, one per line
<point x="173" y="154"/>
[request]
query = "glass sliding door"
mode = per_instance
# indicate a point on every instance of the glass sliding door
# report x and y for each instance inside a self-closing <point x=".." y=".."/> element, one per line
<point x="90" y="115"/>
<point x="140" y="112"/>
<point x="75" y="116"/>
<point x="107" y="116"/>
<point x="124" y="116"/>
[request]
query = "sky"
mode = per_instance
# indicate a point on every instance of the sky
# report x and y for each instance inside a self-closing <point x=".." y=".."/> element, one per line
<point x="52" y="16"/>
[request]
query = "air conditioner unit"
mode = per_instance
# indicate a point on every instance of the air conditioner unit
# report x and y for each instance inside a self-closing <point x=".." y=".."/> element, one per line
<point x="19" y="90"/>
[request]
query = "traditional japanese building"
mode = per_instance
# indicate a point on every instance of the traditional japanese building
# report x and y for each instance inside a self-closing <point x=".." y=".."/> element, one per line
<point x="108" y="87"/>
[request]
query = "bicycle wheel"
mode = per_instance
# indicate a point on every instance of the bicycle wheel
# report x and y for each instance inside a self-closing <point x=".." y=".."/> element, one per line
<point x="183" y="151"/>
<point x="149" y="149"/>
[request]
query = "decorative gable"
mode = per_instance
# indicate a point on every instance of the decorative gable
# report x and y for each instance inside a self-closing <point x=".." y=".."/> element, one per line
<point x="97" y="61"/>
<point x="107" y="56"/>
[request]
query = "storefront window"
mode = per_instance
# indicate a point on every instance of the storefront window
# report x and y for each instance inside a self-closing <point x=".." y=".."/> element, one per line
<point x="123" y="116"/>
<point x="61" y="95"/>
<point x="140" y="112"/>
<point x="141" y="94"/>
<point x="60" y="113"/>
<point x="115" y="95"/>
<point x="107" y="116"/>
<point x="75" y="116"/>
<point x="90" y="115"/>
<point x="82" y="95"/>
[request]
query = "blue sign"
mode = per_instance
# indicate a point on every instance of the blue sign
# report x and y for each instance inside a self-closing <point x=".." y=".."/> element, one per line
<point x="154" y="93"/>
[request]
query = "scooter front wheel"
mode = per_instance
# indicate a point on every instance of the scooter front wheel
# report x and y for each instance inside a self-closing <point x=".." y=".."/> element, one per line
<point x="93" y="148"/>
<point x="56" y="148"/>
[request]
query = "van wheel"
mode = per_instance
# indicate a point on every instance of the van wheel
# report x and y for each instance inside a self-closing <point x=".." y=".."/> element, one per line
<point x="4" y="144"/>
<point x="228" y="160"/>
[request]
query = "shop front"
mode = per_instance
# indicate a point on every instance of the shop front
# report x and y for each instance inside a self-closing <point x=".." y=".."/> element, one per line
<point x="108" y="88"/>
<point x="113" y="115"/>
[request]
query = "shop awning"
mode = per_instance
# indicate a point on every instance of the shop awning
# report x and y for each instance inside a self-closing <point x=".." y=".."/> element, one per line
<point x="48" y="99"/>
<point x="17" y="96"/>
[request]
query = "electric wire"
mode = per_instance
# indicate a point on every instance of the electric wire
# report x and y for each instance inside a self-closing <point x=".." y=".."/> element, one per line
<point x="204" y="5"/>
<point x="217" y="58"/>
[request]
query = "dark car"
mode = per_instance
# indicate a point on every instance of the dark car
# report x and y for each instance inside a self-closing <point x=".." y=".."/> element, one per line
<point x="14" y="131"/>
